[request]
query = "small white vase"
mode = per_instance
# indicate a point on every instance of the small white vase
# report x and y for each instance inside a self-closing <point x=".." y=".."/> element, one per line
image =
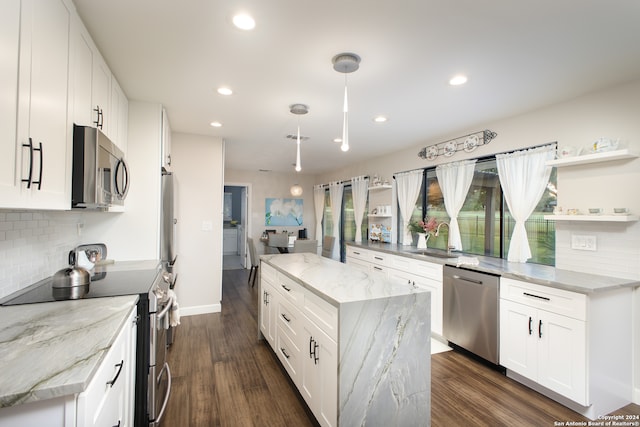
<point x="422" y="240"/>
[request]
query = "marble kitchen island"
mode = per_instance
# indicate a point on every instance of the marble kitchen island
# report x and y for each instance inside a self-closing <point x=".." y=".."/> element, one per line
<point x="356" y="345"/>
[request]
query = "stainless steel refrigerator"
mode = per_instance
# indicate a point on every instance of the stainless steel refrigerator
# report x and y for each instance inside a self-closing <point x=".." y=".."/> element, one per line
<point x="168" y="223"/>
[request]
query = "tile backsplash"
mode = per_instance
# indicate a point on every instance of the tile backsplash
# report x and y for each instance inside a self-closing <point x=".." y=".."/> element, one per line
<point x="34" y="245"/>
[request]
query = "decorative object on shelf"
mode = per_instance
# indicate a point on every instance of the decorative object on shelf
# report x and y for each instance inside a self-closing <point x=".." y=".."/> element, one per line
<point x="298" y="109"/>
<point x="602" y="145"/>
<point x="380" y="233"/>
<point x="467" y="143"/>
<point x="345" y="63"/>
<point x="296" y="190"/>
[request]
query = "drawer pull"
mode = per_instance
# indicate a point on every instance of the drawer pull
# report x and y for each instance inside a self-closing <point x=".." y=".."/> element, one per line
<point x="378" y="258"/>
<point x="117" y="425"/>
<point x="285" y="288"/>
<point x="284" y="316"/>
<point x="113" y="381"/>
<point x="356" y="253"/>
<point x="536" y="296"/>
<point x="377" y="268"/>
<point x="284" y="352"/>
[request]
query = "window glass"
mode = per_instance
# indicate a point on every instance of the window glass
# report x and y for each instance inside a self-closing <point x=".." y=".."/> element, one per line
<point x="349" y="219"/>
<point x="327" y="221"/>
<point x="485" y="222"/>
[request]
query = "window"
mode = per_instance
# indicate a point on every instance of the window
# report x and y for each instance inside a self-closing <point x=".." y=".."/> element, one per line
<point x="485" y="222"/>
<point x="347" y="220"/>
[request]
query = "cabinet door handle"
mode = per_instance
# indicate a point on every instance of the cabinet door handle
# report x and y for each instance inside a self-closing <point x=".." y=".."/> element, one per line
<point x="311" y="349"/>
<point x="316" y="357"/>
<point x="530" y="322"/>
<point x="39" y="181"/>
<point x="284" y="352"/>
<point x="284" y="316"/>
<point x="540" y="329"/>
<point x="30" y="174"/>
<point x="117" y="425"/>
<point x="113" y="381"/>
<point x="97" y="120"/>
<point x="536" y="296"/>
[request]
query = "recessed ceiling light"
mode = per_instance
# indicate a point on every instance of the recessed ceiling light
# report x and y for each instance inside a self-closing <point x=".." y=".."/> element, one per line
<point x="216" y="124"/>
<point x="458" y="80"/>
<point x="224" y="91"/>
<point x="380" y="119"/>
<point x="244" y="21"/>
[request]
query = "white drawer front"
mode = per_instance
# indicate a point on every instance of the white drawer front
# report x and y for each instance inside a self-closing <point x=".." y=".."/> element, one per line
<point x="268" y="272"/>
<point x="427" y="269"/>
<point x="358" y="253"/>
<point x="547" y="298"/>
<point x="399" y="262"/>
<point x="289" y="355"/>
<point x="322" y="314"/>
<point x="289" y="320"/>
<point x="379" y="258"/>
<point x="292" y="291"/>
<point x="359" y="264"/>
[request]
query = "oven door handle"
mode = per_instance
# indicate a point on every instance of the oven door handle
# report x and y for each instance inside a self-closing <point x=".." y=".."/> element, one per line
<point x="166" y="396"/>
<point x="165" y="310"/>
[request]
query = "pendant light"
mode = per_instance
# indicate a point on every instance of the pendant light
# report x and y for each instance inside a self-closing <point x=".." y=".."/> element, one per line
<point x="298" y="109"/>
<point x="345" y="63"/>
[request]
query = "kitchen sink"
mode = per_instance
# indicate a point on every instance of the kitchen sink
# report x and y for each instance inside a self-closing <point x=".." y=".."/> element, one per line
<point x="433" y="253"/>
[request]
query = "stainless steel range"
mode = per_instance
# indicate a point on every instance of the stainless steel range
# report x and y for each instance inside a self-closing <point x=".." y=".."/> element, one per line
<point x="148" y="280"/>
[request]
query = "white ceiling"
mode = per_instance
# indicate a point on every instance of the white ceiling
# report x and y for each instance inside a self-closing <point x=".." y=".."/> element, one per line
<point x="519" y="55"/>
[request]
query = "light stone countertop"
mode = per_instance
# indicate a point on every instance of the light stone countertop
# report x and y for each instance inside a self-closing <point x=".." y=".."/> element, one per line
<point x="53" y="349"/>
<point x="535" y="273"/>
<point x="334" y="281"/>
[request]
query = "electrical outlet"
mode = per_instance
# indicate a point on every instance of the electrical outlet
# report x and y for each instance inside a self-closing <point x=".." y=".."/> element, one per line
<point x="583" y="243"/>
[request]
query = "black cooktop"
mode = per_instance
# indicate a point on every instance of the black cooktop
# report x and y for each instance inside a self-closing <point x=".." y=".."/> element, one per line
<point x="105" y="283"/>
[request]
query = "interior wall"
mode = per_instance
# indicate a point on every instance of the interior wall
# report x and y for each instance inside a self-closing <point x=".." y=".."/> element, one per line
<point x="198" y="165"/>
<point x="274" y="185"/>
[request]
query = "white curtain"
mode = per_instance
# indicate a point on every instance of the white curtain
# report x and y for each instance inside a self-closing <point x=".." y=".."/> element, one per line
<point x="455" y="180"/>
<point x="335" y="201"/>
<point x="318" y="204"/>
<point x="523" y="177"/>
<point x="359" y="190"/>
<point x="408" y="186"/>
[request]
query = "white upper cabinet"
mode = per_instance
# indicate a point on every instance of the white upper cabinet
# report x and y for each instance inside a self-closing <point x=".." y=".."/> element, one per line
<point x="10" y="42"/>
<point x="35" y="158"/>
<point x="98" y="99"/>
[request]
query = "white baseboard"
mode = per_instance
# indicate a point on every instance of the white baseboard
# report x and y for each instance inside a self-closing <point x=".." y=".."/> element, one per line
<point x="200" y="309"/>
<point x="636" y="396"/>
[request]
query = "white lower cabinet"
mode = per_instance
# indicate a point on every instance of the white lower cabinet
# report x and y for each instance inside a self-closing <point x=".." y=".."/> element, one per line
<point x="560" y="343"/>
<point x="545" y="347"/>
<point x="268" y="308"/>
<point x="107" y="401"/>
<point x="318" y="373"/>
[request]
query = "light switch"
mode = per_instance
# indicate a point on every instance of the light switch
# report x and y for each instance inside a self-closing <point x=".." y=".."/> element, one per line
<point x="583" y="243"/>
<point x="207" y="226"/>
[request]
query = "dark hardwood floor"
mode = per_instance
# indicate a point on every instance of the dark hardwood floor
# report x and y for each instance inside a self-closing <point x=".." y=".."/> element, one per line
<point x="224" y="376"/>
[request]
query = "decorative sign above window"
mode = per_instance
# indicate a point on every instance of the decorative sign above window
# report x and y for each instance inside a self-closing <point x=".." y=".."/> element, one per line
<point x="467" y="143"/>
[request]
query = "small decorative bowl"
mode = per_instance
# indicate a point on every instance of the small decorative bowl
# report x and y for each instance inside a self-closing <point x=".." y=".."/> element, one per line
<point x="621" y="211"/>
<point x="595" y="211"/>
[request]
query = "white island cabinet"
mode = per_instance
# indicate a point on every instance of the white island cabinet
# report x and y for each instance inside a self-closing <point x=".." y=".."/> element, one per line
<point x="347" y="339"/>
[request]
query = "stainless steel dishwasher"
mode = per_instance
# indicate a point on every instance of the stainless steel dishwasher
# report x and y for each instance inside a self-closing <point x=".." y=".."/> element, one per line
<point x="471" y="310"/>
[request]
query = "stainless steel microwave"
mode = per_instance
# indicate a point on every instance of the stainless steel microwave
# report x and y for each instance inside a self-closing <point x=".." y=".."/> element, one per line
<point x="100" y="176"/>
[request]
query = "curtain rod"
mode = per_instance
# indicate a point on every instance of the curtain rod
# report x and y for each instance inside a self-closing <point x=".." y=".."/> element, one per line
<point x="345" y="181"/>
<point x="486" y="157"/>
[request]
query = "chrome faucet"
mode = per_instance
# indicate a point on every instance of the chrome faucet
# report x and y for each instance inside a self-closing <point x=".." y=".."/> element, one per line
<point x="449" y="247"/>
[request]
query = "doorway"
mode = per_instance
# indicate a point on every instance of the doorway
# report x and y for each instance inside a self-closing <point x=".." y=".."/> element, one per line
<point x="235" y="226"/>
